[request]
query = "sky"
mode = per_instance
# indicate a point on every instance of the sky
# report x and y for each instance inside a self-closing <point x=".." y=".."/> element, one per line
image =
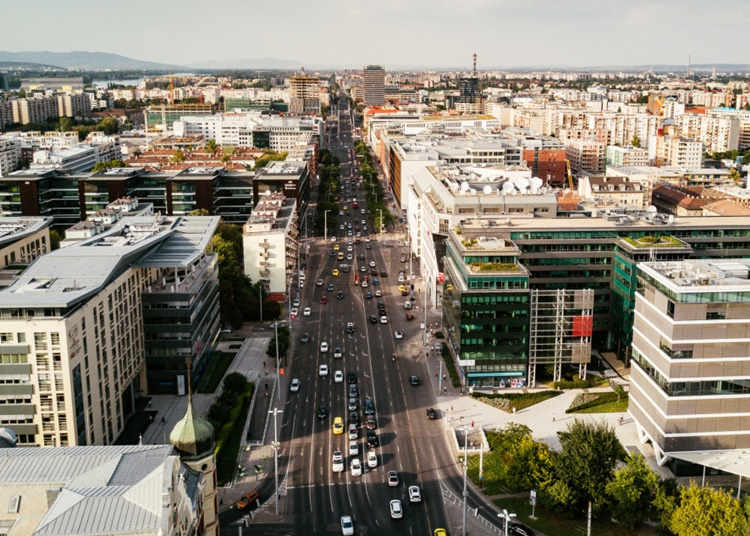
<point x="394" y="33"/>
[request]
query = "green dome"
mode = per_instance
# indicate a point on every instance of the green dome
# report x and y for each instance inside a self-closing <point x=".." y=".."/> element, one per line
<point x="192" y="435"/>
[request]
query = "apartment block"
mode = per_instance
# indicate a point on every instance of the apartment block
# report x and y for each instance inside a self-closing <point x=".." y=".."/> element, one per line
<point x="690" y="359"/>
<point x="23" y="240"/>
<point x="304" y="94"/>
<point x="626" y="156"/>
<point x="34" y="110"/>
<point x="10" y="155"/>
<point x="718" y="134"/>
<point x="675" y="151"/>
<point x="76" y="325"/>
<point x="585" y="156"/>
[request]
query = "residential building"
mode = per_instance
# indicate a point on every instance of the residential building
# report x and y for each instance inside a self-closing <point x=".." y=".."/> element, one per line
<point x="100" y="491"/>
<point x="676" y="152"/>
<point x="688" y="395"/>
<point x="82" y="323"/>
<point x="718" y="134"/>
<point x="290" y="178"/>
<point x="23" y="240"/>
<point x="374" y="80"/>
<point x="743" y="117"/>
<point x="10" y="155"/>
<point x="269" y="242"/>
<point x="73" y="105"/>
<point x="612" y="192"/>
<point x="6" y="113"/>
<point x="585" y="155"/>
<point x="544" y="155"/>
<point x="34" y="110"/>
<point x="626" y="156"/>
<point x="304" y="94"/>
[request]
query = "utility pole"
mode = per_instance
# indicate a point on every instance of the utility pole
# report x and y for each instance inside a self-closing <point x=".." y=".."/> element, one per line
<point x="275" y="412"/>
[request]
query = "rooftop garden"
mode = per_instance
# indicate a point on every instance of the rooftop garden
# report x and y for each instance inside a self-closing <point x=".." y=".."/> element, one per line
<point x="493" y="267"/>
<point x="649" y="241"/>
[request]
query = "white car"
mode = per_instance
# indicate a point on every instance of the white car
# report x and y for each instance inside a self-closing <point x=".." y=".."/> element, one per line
<point x="323" y="371"/>
<point x="294" y="386"/>
<point x="338" y="462"/>
<point x="398" y="335"/>
<point x="353" y="448"/>
<point x="307" y="312"/>
<point x="415" y="494"/>
<point x="372" y="264"/>
<point x="347" y="526"/>
<point x="356" y="467"/>
<point x="338" y="376"/>
<point x="383" y="319"/>
<point x="372" y="459"/>
<point x="397" y="511"/>
<point x="349" y="248"/>
<point x="364" y="284"/>
<point x="295" y="311"/>
<point x="378" y="293"/>
<point x="323" y="347"/>
<point x="337" y="353"/>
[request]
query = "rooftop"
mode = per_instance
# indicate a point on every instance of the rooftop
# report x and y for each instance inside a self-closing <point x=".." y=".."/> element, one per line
<point x="702" y="275"/>
<point x="13" y="229"/>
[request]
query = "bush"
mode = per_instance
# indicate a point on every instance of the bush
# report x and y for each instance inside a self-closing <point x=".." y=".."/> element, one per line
<point x="575" y="383"/>
<point x="450" y="366"/>
<point x="508" y="401"/>
<point x="439" y="335"/>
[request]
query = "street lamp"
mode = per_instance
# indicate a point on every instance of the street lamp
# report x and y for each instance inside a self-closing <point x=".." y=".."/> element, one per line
<point x="507" y="517"/>
<point x="275" y="445"/>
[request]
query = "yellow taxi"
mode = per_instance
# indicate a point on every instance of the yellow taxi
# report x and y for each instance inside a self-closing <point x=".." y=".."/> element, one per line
<point x="440" y="532"/>
<point x="402" y="288"/>
<point x="336" y="247"/>
<point x="335" y="272"/>
<point x="344" y="207"/>
<point x="338" y="426"/>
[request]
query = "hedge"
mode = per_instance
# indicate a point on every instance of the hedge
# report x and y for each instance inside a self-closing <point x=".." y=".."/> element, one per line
<point x="450" y="366"/>
<point x="230" y="436"/>
<point x="508" y="401"/>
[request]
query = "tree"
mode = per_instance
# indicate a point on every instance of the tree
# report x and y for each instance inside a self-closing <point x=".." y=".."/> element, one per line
<point x="54" y="239"/>
<point x="109" y="165"/>
<point x="177" y="157"/>
<point x="211" y="146"/>
<point x="636" y="141"/>
<point x="199" y="212"/>
<point x="708" y="512"/>
<point x="734" y="175"/>
<point x="109" y="126"/>
<point x="590" y="452"/>
<point x="65" y="124"/>
<point x="235" y="383"/>
<point x="21" y="93"/>
<point x="632" y="491"/>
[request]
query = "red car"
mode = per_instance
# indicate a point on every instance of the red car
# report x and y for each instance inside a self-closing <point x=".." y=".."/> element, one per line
<point x="323" y="300"/>
<point x="409" y="316"/>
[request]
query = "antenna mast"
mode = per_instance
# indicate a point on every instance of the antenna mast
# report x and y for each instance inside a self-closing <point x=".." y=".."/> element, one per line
<point x="475" y="65"/>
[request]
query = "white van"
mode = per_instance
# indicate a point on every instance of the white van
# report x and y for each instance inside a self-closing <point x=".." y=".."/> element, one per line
<point x="407" y="305"/>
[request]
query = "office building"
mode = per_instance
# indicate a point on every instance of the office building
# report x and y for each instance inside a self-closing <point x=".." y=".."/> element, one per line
<point x="269" y="242"/>
<point x="23" y="240"/>
<point x="688" y="394"/>
<point x="4" y="85"/>
<point x="80" y="325"/>
<point x="374" y="79"/>
<point x="164" y="115"/>
<point x="100" y="491"/>
<point x="612" y="192"/>
<point x="304" y="94"/>
<point x="290" y="178"/>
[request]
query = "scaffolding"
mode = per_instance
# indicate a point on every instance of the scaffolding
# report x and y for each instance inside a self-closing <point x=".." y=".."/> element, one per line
<point x="561" y="324"/>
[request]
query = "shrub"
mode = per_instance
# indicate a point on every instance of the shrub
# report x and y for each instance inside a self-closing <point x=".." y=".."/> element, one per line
<point x="508" y="401"/>
<point x="575" y="383"/>
<point x="450" y="365"/>
<point x="439" y="335"/>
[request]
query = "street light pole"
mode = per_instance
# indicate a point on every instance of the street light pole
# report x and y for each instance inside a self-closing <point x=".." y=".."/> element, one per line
<point x="506" y="516"/>
<point x="275" y="412"/>
<point x="466" y="468"/>
<point x="278" y="370"/>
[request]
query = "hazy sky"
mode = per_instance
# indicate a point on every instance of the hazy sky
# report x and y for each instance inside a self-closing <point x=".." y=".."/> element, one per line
<point x="440" y="33"/>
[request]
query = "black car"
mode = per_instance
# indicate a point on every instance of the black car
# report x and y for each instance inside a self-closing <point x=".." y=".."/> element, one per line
<point x="369" y="407"/>
<point x="370" y="422"/>
<point x="517" y="529"/>
<point x="361" y="256"/>
<point x="340" y="295"/>
<point x="322" y="412"/>
<point x="373" y="272"/>
<point x="383" y="274"/>
<point x="351" y="378"/>
<point x="353" y="390"/>
<point x="381" y="305"/>
<point x="414" y="381"/>
<point x="431" y="413"/>
<point x="368" y="296"/>
<point x="305" y="337"/>
<point x="372" y="438"/>
<point x="374" y="319"/>
<point x="330" y="287"/>
<point x="354" y="418"/>
<point x="331" y="253"/>
<point x="382" y="312"/>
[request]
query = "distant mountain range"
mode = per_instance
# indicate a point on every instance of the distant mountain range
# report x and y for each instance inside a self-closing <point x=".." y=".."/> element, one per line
<point x="78" y="60"/>
<point x="255" y="63"/>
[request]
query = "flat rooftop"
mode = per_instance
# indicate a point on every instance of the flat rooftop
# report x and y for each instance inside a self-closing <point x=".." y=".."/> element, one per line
<point x="702" y="275"/>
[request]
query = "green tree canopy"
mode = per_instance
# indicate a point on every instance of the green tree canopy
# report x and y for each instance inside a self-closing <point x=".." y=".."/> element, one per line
<point x="109" y="165"/>
<point x="708" y="512"/>
<point x="632" y="491"/>
<point x="109" y="126"/>
<point x="177" y="157"/>
<point x="211" y="146"/>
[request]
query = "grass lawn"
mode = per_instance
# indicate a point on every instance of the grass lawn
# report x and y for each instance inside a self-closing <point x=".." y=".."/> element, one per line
<point x="514" y="400"/>
<point x="551" y="525"/>
<point x="230" y="437"/>
<point x="217" y="367"/>
<point x="608" y="407"/>
<point x="598" y="403"/>
<point x="492" y="483"/>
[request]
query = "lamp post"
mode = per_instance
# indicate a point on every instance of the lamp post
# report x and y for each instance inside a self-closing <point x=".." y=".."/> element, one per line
<point x="275" y="412"/>
<point x="466" y="467"/>
<point x="505" y="515"/>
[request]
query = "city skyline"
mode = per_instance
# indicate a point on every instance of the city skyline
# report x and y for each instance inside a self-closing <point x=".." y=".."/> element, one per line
<point x="504" y="33"/>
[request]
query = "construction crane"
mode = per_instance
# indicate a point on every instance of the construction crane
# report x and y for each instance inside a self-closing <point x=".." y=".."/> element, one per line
<point x="570" y="176"/>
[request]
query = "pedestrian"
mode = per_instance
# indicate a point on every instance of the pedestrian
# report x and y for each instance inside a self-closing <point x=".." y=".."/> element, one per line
<point x="472" y="424"/>
<point x="445" y="390"/>
<point x="436" y="375"/>
<point x="443" y="377"/>
<point x="162" y="420"/>
<point x="266" y="394"/>
<point x="266" y="386"/>
<point x="554" y="419"/>
<point x="451" y="409"/>
<point x="461" y="419"/>
<point x="264" y="364"/>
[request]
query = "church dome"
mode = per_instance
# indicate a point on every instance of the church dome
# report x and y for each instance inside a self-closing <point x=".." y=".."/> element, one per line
<point x="192" y="435"/>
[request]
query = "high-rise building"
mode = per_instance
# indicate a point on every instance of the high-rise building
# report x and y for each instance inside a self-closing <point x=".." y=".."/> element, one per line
<point x="374" y="77"/>
<point x="304" y="94"/>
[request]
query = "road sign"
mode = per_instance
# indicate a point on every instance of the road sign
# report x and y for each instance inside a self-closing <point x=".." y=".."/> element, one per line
<point x="532" y="497"/>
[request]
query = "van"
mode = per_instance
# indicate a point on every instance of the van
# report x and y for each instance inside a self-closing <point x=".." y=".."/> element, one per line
<point x="407" y="305"/>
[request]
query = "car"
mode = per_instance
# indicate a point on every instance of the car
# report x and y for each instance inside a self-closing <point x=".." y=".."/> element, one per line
<point x="307" y="311"/>
<point x="364" y="283"/>
<point x="353" y="448"/>
<point x="305" y="338"/>
<point x="322" y="412"/>
<point x="323" y="371"/>
<point x="372" y="264"/>
<point x="296" y="302"/>
<point x="415" y="494"/>
<point x="431" y="413"/>
<point x="338" y="377"/>
<point x="369" y="406"/>
<point x="319" y="283"/>
<point x="330" y="287"/>
<point x="350" y="327"/>
<point x="383" y="319"/>
<point x="392" y="479"/>
<point x="437" y="532"/>
<point x="349" y="257"/>
<point x="348" y="233"/>
<point x="324" y="300"/>
<point x="341" y="212"/>
<point x="383" y="274"/>
<point x="403" y="258"/>
<point x="247" y="499"/>
<point x="294" y="311"/>
<point x="397" y="511"/>
<point x="368" y="296"/>
<point x="373" y="272"/>
<point x="331" y="254"/>
<point x="375" y="282"/>
<point x="323" y="347"/>
<point x="338" y="461"/>
<point x="335" y="272"/>
<point x="338" y="426"/>
<point x="401" y="288"/>
<point x="378" y="293"/>
<point x="356" y="467"/>
<point x="352" y="405"/>
<point x="363" y="268"/>
<point x="351" y="378"/>
<point x="338" y="353"/>
<point x="517" y="529"/>
<point x="276" y="325"/>
<point x="336" y="247"/>
<point x="372" y="439"/>
<point x="354" y="418"/>
<point x="361" y="256"/>
<point x="347" y="526"/>
<point x="294" y="385"/>
<point x="410" y="316"/>
<point x="374" y="319"/>
<point x="401" y="277"/>
<point x="372" y="459"/>
<point x="340" y="295"/>
<point x="353" y="390"/>
<point x="226" y="330"/>
<point x="349" y="248"/>
<point x="398" y="335"/>
<point x="370" y="423"/>
<point x="414" y="381"/>
<point x="353" y="431"/>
